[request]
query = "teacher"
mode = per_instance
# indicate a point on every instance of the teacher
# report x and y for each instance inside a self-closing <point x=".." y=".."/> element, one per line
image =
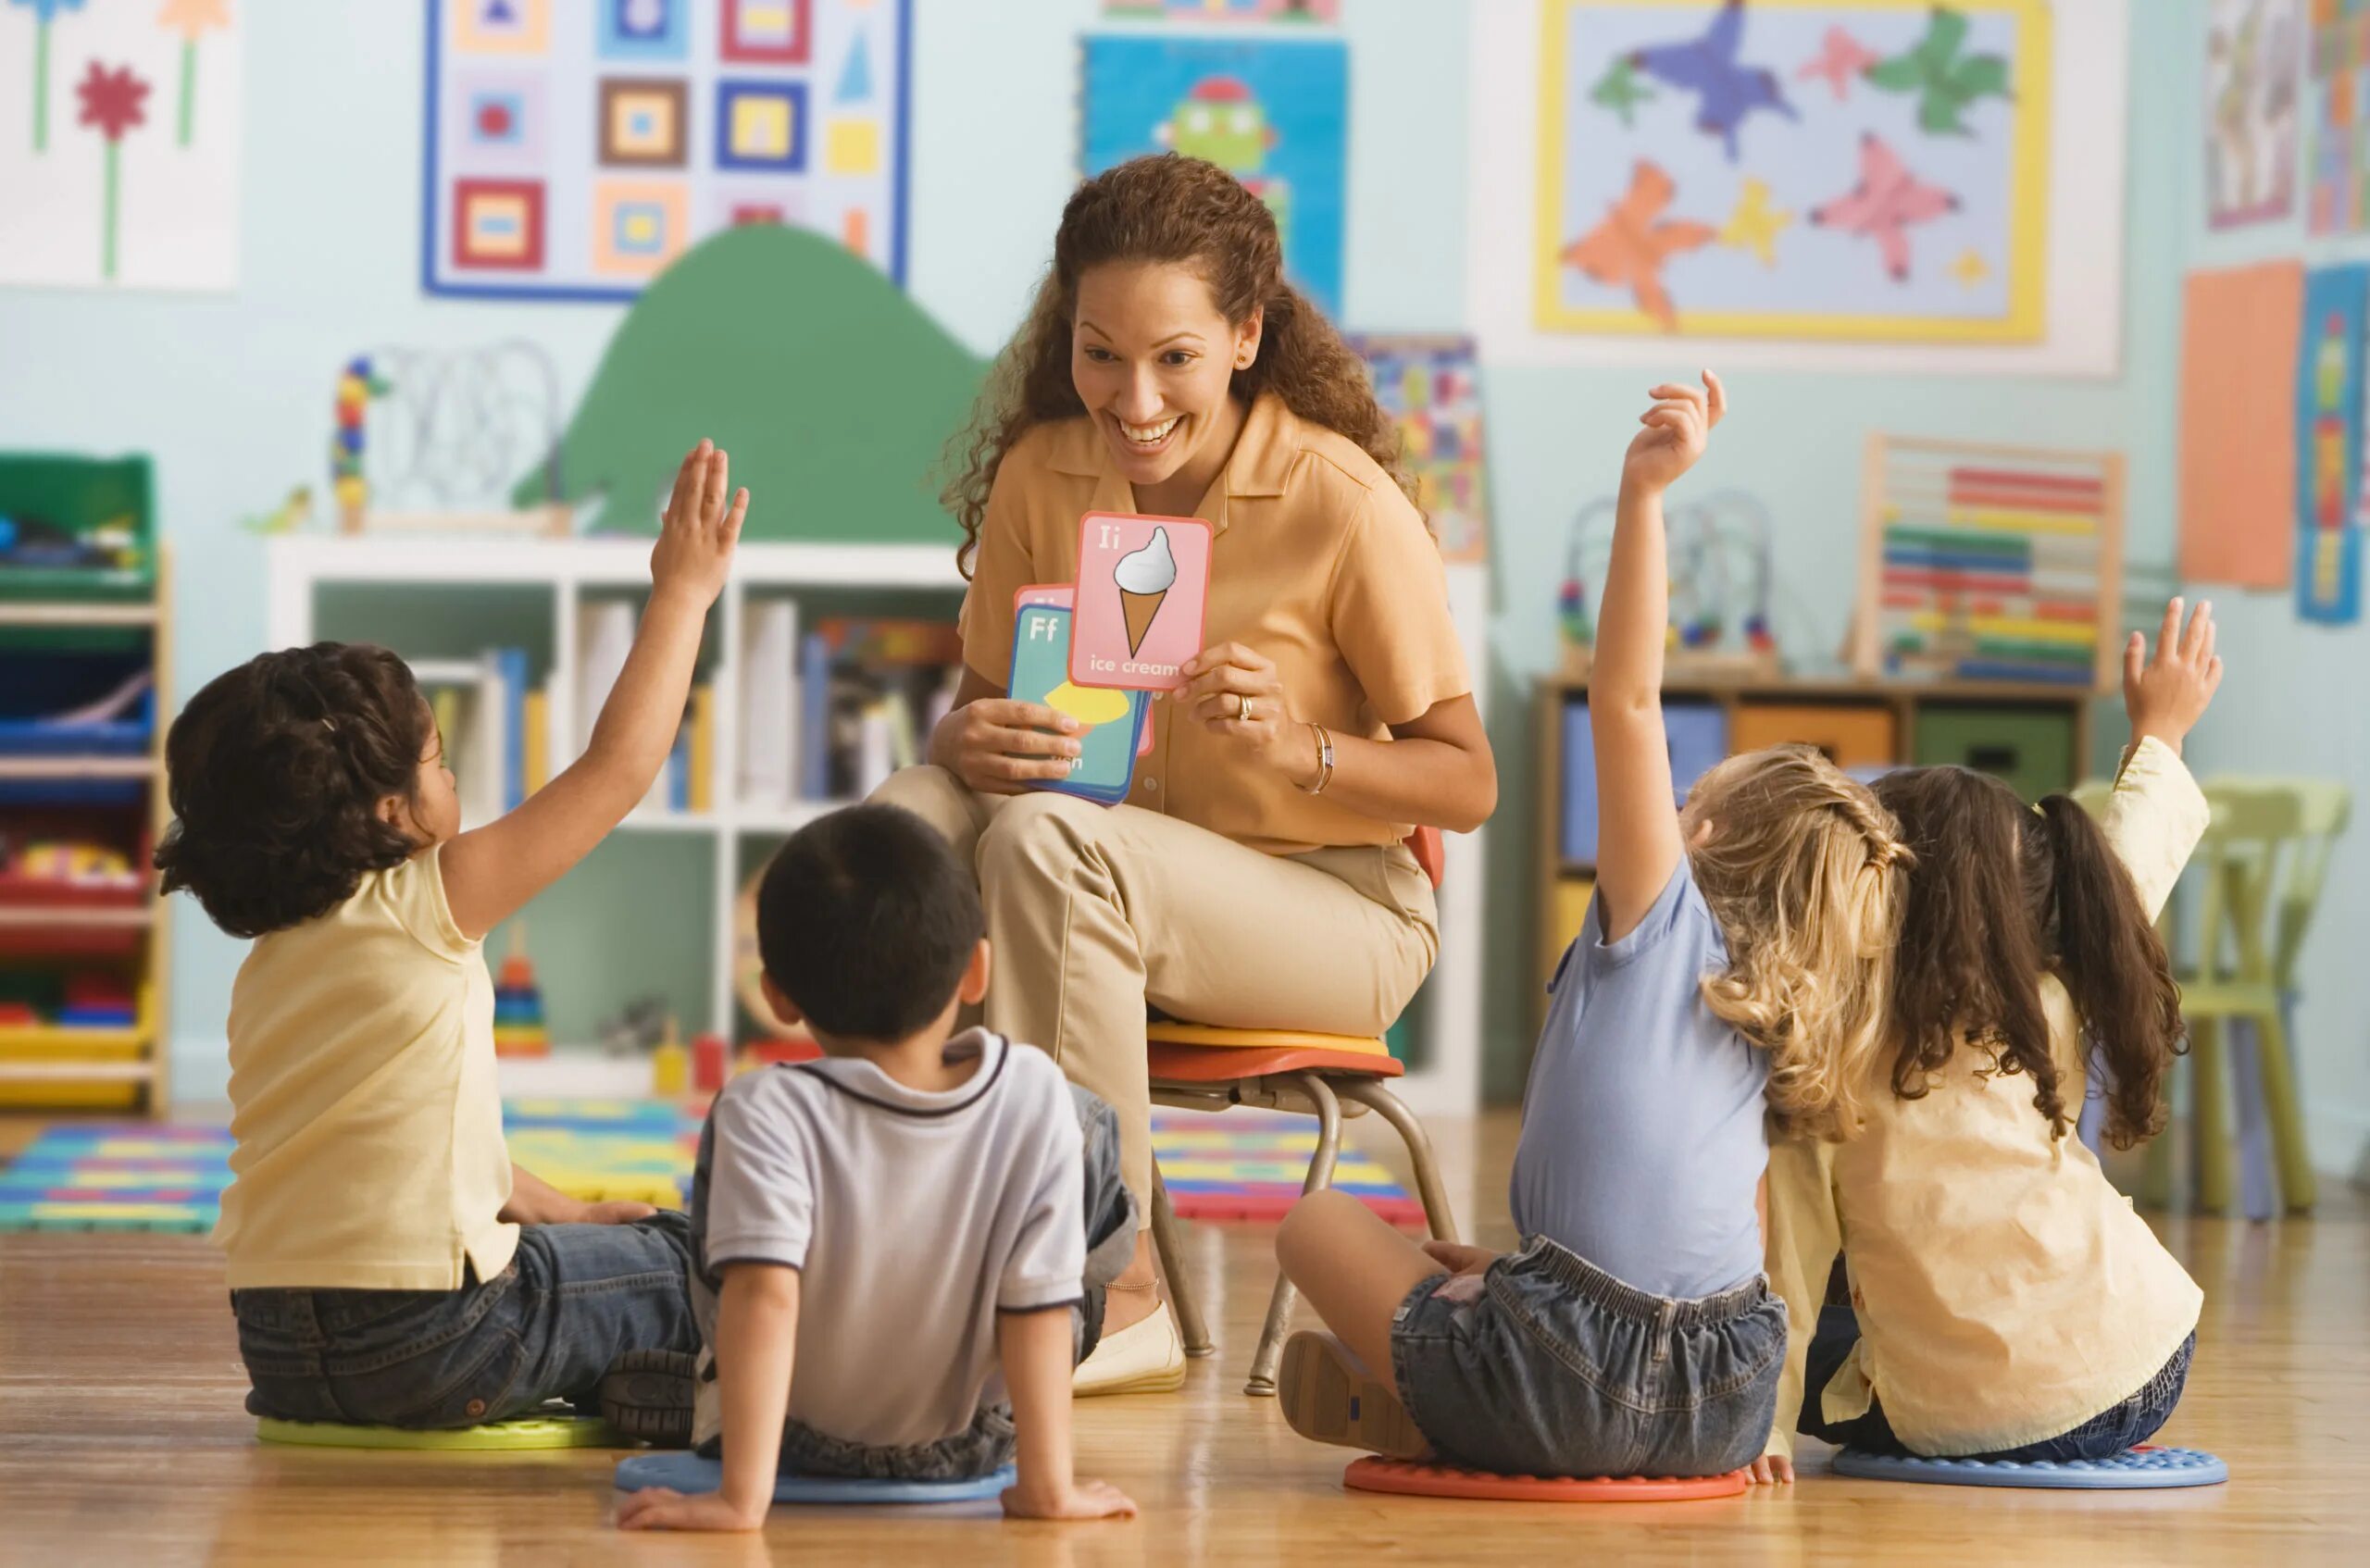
<point x="1258" y="875"/>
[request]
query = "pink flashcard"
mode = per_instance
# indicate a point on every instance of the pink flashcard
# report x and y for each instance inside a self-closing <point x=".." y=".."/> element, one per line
<point x="1057" y="594"/>
<point x="1143" y="592"/>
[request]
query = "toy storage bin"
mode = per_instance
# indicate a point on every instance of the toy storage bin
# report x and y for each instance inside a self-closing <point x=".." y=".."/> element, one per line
<point x="76" y="527"/>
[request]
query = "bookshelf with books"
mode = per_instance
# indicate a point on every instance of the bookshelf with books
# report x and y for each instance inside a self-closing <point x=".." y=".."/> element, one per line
<point x="824" y="668"/>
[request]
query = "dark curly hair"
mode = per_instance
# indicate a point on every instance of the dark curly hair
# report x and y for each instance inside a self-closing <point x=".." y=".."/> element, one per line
<point x="1167" y="208"/>
<point x="2001" y="896"/>
<point x="275" y="772"/>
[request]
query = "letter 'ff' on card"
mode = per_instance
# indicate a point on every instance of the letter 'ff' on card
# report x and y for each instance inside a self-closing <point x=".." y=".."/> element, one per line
<point x="1063" y="596"/>
<point x="1144" y="592"/>
<point x="1112" y="718"/>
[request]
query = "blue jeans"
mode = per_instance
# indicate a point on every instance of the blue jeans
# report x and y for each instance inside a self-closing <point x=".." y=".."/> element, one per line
<point x="989" y="1442"/>
<point x="573" y="1300"/>
<point x="2119" y="1427"/>
<point x="1548" y="1365"/>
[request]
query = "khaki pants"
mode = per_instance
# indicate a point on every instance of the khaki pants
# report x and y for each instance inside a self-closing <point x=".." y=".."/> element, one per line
<point x="1096" y="912"/>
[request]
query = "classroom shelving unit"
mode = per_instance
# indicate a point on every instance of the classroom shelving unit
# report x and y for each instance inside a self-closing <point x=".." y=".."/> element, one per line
<point x="47" y="928"/>
<point x="562" y="576"/>
<point x="2037" y="737"/>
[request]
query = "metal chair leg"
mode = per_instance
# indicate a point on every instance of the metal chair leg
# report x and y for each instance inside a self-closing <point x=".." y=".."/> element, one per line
<point x="1390" y="1108"/>
<point x="1171" y="1249"/>
<point x="1320" y="1175"/>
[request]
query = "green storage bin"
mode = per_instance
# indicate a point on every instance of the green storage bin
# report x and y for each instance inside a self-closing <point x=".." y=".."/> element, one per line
<point x="2031" y="748"/>
<point x="79" y="496"/>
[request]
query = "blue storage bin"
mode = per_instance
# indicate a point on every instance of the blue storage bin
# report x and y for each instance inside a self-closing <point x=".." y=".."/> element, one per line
<point x="35" y="688"/>
<point x="1698" y="736"/>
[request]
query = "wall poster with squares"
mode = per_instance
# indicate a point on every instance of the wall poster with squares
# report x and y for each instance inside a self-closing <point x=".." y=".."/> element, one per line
<point x="575" y="148"/>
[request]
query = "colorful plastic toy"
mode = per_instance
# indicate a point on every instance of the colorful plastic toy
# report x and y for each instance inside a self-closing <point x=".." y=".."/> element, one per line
<point x="519" y="1028"/>
<point x="356" y="386"/>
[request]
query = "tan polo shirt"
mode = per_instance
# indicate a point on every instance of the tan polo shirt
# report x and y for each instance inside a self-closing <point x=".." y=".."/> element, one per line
<point x="1318" y="562"/>
<point x="2006" y="1292"/>
<point x="363" y="1102"/>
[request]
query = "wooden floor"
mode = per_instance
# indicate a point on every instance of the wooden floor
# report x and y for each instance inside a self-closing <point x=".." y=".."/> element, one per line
<point x="122" y="1441"/>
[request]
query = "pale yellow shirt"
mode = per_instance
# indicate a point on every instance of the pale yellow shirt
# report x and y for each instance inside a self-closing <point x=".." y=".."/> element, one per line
<point x="363" y="1100"/>
<point x="2006" y="1292"/>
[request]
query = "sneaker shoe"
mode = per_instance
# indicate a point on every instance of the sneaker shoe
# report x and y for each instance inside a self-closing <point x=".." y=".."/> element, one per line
<point x="1328" y="1396"/>
<point x="647" y="1394"/>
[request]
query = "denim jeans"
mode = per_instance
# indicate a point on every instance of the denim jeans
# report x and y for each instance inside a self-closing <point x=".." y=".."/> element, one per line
<point x="2119" y="1427"/>
<point x="1548" y="1365"/>
<point x="573" y="1299"/>
<point x="988" y="1443"/>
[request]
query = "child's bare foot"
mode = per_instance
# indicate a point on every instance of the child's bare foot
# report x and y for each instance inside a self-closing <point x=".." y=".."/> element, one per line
<point x="1328" y="1395"/>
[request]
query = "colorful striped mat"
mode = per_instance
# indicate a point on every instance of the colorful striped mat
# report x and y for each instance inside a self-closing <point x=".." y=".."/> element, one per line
<point x="151" y="1176"/>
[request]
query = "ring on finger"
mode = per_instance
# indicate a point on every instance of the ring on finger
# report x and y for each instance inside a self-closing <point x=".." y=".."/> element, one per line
<point x="1243" y="714"/>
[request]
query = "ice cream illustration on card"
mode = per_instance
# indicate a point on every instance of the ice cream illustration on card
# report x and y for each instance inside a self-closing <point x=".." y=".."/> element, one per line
<point x="1144" y="578"/>
<point x="1142" y="599"/>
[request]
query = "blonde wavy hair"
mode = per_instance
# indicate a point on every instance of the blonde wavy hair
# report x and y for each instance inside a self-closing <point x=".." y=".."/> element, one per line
<point x="1806" y="874"/>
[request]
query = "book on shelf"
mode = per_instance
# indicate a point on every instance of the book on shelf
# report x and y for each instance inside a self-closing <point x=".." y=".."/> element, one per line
<point x="700" y="767"/>
<point x="769" y="710"/>
<point x="870" y="687"/>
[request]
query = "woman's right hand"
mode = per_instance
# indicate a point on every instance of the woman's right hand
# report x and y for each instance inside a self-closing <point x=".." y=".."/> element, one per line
<point x="999" y="747"/>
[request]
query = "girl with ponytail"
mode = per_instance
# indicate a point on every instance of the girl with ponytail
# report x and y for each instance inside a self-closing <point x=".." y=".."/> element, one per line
<point x="2005" y="1301"/>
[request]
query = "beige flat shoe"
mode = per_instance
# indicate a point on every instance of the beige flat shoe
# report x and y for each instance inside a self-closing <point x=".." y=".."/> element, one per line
<point x="1329" y="1397"/>
<point x="1146" y="1356"/>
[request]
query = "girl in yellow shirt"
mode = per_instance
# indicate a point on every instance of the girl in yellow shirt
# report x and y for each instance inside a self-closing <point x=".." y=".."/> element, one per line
<point x="387" y="1262"/>
<point x="2006" y="1302"/>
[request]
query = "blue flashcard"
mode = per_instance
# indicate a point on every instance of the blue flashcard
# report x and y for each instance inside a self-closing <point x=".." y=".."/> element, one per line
<point x="1041" y="672"/>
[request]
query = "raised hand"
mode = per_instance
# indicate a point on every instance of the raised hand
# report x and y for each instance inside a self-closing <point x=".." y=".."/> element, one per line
<point x="1676" y="429"/>
<point x="2167" y="694"/>
<point x="702" y="524"/>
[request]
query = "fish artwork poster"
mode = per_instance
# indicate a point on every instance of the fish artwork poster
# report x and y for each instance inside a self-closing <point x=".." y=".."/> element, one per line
<point x="1853" y="171"/>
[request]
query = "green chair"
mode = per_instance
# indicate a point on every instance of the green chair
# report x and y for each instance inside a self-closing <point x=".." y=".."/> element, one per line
<point x="2261" y="868"/>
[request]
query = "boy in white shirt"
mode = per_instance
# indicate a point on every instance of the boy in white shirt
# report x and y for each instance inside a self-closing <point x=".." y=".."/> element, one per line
<point x="899" y="1250"/>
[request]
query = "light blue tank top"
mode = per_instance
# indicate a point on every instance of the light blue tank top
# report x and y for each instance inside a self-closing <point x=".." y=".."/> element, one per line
<point x="1642" y="1138"/>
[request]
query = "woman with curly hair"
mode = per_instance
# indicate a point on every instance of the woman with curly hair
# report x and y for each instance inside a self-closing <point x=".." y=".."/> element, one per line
<point x="1258" y="875"/>
<point x="388" y="1264"/>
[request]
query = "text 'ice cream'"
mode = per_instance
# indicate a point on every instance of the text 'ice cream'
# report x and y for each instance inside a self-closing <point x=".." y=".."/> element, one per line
<point x="1144" y="578"/>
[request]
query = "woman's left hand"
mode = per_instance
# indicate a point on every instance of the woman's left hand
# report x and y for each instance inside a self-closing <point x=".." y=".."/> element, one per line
<point x="1223" y="684"/>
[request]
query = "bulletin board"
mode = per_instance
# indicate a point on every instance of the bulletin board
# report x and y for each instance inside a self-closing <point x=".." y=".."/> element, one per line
<point x="1839" y="184"/>
<point x="575" y="148"/>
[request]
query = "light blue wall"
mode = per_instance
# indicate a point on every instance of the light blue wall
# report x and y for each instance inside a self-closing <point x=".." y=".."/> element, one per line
<point x="231" y="393"/>
<point x="2291" y="697"/>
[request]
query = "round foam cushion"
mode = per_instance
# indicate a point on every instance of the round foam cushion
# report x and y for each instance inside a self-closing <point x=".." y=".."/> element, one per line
<point x="2135" y="1469"/>
<point x="1375" y="1474"/>
<point x="526" y="1432"/>
<point x="684" y="1472"/>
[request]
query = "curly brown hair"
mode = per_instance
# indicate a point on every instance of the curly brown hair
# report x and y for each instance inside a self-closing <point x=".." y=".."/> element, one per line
<point x="2001" y="897"/>
<point x="1166" y="208"/>
<point x="275" y="772"/>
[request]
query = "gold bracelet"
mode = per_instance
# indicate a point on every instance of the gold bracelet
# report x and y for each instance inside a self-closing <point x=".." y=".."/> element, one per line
<point x="1324" y="762"/>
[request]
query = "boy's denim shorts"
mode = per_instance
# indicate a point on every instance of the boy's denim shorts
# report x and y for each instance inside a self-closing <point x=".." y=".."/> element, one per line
<point x="1548" y="1365"/>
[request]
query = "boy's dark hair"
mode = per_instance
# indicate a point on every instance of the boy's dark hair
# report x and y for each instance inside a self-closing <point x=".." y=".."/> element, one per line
<point x="275" y="771"/>
<point x="867" y="921"/>
<point x="2002" y="896"/>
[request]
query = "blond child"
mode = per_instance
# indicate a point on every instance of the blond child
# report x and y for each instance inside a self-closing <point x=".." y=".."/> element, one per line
<point x="387" y="1262"/>
<point x="1732" y="959"/>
